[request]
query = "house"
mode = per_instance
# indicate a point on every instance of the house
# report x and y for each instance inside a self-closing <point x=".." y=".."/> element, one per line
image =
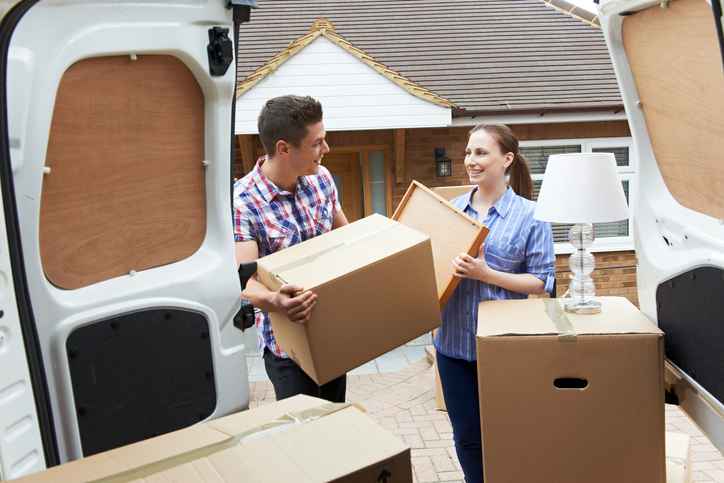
<point x="403" y="81"/>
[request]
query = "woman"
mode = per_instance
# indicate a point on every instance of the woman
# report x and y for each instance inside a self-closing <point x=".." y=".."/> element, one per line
<point x="516" y="260"/>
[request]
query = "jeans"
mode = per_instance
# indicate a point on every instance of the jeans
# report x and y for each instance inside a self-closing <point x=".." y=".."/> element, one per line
<point x="459" y="379"/>
<point x="289" y="380"/>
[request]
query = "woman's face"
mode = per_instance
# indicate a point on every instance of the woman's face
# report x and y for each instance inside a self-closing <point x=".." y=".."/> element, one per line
<point x="484" y="161"/>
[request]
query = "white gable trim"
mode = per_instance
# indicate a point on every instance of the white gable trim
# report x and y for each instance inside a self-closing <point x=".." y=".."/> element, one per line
<point x="547" y="118"/>
<point x="353" y="95"/>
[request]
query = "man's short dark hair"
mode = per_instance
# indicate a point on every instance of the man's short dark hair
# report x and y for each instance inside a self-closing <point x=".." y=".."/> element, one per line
<point x="286" y="118"/>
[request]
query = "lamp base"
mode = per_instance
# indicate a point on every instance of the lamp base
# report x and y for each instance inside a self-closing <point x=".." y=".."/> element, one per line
<point x="583" y="307"/>
<point x="582" y="263"/>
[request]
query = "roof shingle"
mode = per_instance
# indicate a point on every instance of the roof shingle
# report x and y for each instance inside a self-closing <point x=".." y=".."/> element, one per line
<point x="483" y="55"/>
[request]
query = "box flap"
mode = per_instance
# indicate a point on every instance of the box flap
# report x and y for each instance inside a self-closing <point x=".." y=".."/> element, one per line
<point x="243" y="421"/>
<point x="323" y="449"/>
<point x="305" y="447"/>
<point x="234" y="465"/>
<point x="547" y="317"/>
<point x="326" y="451"/>
<point x="339" y="252"/>
<point x="108" y="464"/>
<point x="451" y="232"/>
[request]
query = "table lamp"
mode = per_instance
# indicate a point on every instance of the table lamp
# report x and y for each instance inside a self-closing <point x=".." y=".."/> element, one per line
<point x="581" y="188"/>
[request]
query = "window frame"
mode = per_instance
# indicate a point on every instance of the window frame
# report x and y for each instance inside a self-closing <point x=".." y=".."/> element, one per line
<point x="626" y="173"/>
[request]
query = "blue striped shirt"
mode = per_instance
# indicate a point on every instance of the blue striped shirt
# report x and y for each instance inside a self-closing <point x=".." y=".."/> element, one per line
<point x="517" y="243"/>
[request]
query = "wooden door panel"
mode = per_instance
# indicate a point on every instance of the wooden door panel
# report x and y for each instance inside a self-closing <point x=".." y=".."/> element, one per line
<point x="345" y="168"/>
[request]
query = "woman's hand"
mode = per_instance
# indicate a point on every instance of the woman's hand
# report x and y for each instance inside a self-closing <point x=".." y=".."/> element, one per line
<point x="474" y="268"/>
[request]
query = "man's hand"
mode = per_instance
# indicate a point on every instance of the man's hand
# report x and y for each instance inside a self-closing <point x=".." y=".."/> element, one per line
<point x="468" y="267"/>
<point x="295" y="303"/>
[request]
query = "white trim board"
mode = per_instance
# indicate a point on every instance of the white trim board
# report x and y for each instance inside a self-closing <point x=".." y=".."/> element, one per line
<point x="561" y="117"/>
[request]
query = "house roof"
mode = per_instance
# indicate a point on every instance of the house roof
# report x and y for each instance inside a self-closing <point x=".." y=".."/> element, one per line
<point x="483" y="56"/>
<point x="324" y="28"/>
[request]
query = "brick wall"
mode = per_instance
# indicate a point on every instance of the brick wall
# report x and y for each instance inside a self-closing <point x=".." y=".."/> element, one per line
<point x="615" y="274"/>
<point x="420" y="144"/>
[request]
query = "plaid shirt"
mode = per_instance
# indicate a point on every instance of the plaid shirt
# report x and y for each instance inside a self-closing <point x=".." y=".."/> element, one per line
<point x="276" y="219"/>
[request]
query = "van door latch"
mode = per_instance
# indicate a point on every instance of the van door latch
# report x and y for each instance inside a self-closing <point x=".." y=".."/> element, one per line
<point x="220" y="50"/>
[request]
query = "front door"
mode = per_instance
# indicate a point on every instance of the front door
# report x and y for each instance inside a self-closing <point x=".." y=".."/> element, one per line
<point x="347" y="174"/>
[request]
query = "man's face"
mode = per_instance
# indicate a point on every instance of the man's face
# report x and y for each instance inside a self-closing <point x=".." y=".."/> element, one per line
<point x="307" y="157"/>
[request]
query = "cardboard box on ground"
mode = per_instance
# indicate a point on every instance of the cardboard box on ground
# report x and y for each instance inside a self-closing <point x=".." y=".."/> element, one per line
<point x="379" y="283"/>
<point x="301" y="439"/>
<point x="570" y="398"/>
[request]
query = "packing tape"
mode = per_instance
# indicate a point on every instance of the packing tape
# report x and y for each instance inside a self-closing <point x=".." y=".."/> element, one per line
<point x="314" y="256"/>
<point x="555" y="312"/>
<point x="293" y="418"/>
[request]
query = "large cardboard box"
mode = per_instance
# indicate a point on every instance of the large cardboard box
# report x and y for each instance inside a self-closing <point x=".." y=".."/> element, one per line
<point x="301" y="439"/>
<point x="451" y="232"/>
<point x="375" y="283"/>
<point x="567" y="398"/>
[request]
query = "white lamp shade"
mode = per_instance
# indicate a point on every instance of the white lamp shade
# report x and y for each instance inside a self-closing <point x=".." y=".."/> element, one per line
<point x="581" y="188"/>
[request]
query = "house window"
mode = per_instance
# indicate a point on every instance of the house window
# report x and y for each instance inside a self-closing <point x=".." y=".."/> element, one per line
<point x="378" y="187"/>
<point x="609" y="236"/>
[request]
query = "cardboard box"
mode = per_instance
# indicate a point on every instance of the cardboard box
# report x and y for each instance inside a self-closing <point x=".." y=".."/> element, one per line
<point x="375" y="283"/>
<point x="432" y="358"/>
<point x="567" y="398"/>
<point x="451" y="192"/>
<point x="451" y="232"/>
<point x="327" y="442"/>
<point x="439" y="398"/>
<point x="678" y="458"/>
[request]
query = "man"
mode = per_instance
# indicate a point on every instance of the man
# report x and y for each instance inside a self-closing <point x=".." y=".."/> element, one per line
<point x="287" y="198"/>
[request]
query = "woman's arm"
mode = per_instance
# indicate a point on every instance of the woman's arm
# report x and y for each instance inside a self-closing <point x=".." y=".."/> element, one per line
<point x="539" y="265"/>
<point x="467" y="266"/>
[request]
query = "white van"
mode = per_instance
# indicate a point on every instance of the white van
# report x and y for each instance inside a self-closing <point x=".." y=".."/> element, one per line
<point x="668" y="60"/>
<point x="117" y="280"/>
<point x="118" y="285"/>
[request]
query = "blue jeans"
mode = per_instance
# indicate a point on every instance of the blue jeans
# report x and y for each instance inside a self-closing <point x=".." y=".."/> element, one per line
<point x="459" y="379"/>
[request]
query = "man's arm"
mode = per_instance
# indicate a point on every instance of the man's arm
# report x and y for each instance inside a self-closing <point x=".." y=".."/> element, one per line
<point x="340" y="219"/>
<point x="290" y="300"/>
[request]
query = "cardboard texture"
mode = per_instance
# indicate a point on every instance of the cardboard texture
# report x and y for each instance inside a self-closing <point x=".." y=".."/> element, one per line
<point x="375" y="283"/>
<point x="301" y="439"/>
<point x="536" y="427"/>
<point x="451" y="232"/>
<point x="432" y="357"/>
<point x="451" y="192"/>
<point x="439" y="398"/>
<point x="678" y="458"/>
